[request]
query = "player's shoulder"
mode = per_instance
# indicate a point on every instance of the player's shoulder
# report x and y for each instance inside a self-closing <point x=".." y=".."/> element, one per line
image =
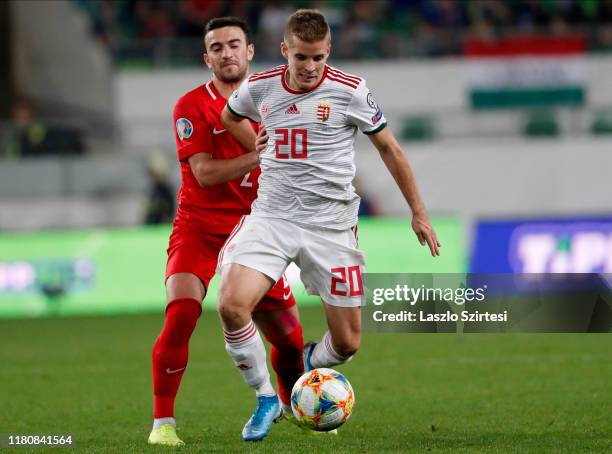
<point x="195" y="98"/>
<point x="267" y="75"/>
<point x="343" y="80"/>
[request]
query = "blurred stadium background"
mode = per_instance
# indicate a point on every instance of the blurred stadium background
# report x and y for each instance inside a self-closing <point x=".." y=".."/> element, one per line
<point x="504" y="108"/>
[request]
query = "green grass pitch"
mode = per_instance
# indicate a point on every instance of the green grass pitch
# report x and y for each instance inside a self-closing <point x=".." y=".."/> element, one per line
<point x="414" y="393"/>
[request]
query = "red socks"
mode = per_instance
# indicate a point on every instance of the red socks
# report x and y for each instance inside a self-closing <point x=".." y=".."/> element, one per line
<point x="171" y="351"/>
<point x="286" y="359"/>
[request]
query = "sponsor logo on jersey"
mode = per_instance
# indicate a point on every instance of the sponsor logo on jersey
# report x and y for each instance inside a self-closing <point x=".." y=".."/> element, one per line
<point x="218" y="131"/>
<point x="265" y="110"/>
<point x="376" y="118"/>
<point x="184" y="128"/>
<point x="243" y="367"/>
<point x="371" y="102"/>
<point x="292" y="110"/>
<point x="323" y="111"/>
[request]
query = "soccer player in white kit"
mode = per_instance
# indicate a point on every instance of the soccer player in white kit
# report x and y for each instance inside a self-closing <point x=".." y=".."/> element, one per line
<point x="306" y="206"/>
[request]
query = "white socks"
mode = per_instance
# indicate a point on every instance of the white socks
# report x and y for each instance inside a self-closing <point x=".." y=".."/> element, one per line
<point x="249" y="355"/>
<point x="324" y="354"/>
<point x="158" y="422"/>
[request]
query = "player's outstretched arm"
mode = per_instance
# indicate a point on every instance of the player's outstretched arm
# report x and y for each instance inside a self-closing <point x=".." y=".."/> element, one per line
<point x="240" y="128"/>
<point x="397" y="164"/>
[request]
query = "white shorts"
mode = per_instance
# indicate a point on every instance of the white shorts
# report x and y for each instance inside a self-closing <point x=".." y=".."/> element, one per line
<point x="330" y="263"/>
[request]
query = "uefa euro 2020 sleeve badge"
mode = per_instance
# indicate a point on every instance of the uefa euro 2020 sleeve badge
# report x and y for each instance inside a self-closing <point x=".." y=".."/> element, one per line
<point x="184" y="128"/>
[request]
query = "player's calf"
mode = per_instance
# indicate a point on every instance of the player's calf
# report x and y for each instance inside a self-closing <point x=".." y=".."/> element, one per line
<point x="286" y="359"/>
<point x="171" y="351"/>
<point x="345" y="347"/>
<point x="326" y="353"/>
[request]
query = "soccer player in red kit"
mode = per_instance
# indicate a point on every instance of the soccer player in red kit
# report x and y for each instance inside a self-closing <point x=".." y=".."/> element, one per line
<point x="219" y="181"/>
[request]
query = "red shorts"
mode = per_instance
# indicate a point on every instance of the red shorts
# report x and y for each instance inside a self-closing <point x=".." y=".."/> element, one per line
<point x="197" y="254"/>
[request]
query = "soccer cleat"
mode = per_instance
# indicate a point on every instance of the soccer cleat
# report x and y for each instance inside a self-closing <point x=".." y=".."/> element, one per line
<point x="308" y="349"/>
<point x="257" y="427"/>
<point x="165" y="435"/>
<point x="289" y="416"/>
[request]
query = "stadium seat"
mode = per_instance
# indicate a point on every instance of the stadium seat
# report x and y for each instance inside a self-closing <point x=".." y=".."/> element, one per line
<point x="541" y="123"/>
<point x="602" y="123"/>
<point x="417" y="128"/>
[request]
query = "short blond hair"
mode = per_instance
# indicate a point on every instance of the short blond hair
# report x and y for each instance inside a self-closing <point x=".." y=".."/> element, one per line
<point x="308" y="25"/>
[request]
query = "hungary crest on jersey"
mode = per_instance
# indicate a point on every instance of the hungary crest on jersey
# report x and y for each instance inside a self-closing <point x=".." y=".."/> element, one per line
<point x="323" y="111"/>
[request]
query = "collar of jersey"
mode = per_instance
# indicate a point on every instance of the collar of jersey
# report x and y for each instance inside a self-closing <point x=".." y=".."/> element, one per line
<point x="216" y="91"/>
<point x="301" y="92"/>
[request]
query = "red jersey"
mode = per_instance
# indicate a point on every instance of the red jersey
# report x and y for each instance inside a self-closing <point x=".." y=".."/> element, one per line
<point x="198" y="129"/>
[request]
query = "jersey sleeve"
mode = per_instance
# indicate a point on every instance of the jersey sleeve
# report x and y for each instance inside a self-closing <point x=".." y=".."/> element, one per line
<point x="191" y="129"/>
<point x="364" y="112"/>
<point x="241" y="103"/>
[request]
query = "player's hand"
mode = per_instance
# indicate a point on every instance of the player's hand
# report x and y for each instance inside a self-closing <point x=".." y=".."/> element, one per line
<point x="261" y="142"/>
<point x="425" y="233"/>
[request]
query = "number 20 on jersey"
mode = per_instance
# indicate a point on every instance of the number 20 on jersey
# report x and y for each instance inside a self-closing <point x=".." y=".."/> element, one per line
<point x="291" y="143"/>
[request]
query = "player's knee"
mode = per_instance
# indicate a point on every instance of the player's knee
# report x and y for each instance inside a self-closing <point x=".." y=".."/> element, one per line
<point x="227" y="296"/>
<point x="230" y="307"/>
<point x="229" y="313"/>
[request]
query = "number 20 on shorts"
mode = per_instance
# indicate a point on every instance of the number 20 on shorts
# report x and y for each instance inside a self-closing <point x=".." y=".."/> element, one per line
<point x="296" y="138"/>
<point x="349" y="277"/>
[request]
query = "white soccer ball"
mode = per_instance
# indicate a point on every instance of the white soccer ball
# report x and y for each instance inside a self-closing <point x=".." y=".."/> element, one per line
<point x="322" y="399"/>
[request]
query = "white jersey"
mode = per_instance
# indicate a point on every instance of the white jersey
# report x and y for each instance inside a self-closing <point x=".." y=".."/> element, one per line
<point x="308" y="166"/>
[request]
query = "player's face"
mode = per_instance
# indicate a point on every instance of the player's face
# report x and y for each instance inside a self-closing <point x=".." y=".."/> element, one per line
<point x="306" y="61"/>
<point x="228" y="54"/>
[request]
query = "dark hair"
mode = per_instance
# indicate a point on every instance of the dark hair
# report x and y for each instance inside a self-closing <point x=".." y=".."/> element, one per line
<point x="228" y="21"/>
<point x="308" y="25"/>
